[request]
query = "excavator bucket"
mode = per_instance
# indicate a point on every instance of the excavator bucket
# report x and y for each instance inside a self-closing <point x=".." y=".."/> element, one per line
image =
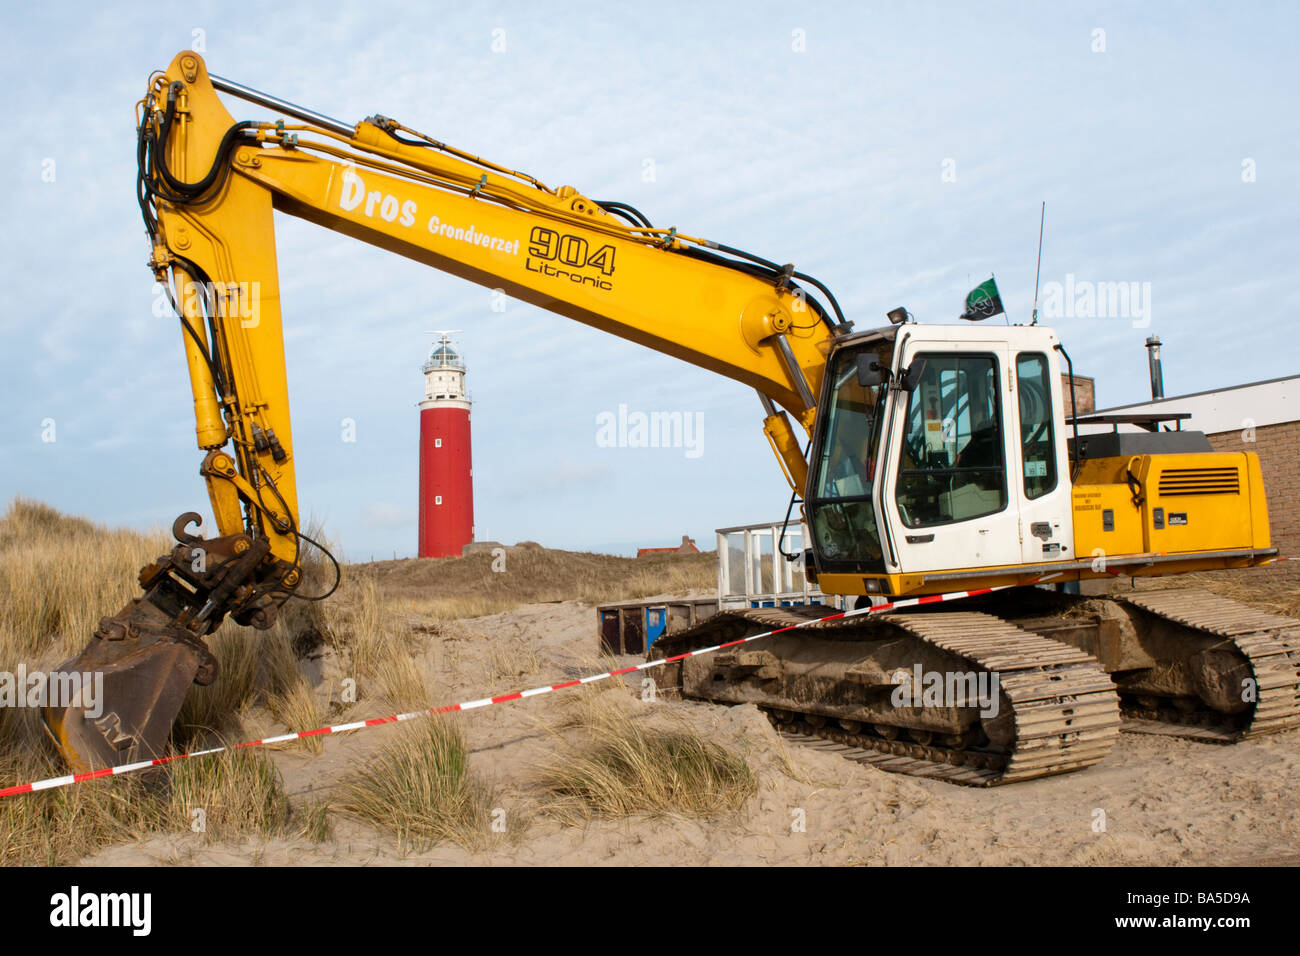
<point x="132" y="679"/>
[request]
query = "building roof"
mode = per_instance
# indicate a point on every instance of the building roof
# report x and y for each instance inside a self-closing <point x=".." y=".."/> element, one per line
<point x="686" y="547"/>
<point x="1268" y="402"/>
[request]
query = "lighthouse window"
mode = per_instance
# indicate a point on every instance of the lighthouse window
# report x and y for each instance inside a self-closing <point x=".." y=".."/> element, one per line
<point x="437" y="443"/>
<point x="437" y="499"/>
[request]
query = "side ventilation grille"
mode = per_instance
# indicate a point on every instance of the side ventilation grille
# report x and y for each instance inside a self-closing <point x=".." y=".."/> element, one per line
<point x="1199" y="481"/>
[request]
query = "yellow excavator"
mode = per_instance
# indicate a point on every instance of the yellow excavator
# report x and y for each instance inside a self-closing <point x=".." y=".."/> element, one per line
<point x="939" y="460"/>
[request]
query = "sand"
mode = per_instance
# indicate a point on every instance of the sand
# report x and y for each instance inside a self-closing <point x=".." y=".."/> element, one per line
<point x="1154" y="800"/>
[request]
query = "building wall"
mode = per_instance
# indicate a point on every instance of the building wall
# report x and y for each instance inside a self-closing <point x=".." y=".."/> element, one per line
<point x="1268" y="410"/>
<point x="1278" y="447"/>
<point x="1084" y="391"/>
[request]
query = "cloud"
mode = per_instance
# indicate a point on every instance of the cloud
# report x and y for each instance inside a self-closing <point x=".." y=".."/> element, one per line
<point x="830" y="159"/>
<point x="385" y="515"/>
<point x="566" y="474"/>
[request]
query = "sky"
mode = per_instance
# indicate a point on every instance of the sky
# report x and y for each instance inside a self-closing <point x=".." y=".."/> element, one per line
<point x="898" y="152"/>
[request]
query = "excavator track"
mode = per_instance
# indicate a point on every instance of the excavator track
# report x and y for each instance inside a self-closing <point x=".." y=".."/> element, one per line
<point x="1064" y="708"/>
<point x="1270" y="644"/>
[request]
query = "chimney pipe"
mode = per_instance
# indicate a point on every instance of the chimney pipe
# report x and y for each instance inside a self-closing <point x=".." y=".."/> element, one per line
<point x="1157" y="376"/>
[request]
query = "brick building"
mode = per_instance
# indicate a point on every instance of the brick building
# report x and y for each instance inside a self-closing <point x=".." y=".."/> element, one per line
<point x="686" y="547"/>
<point x="1263" y="417"/>
<point x="1085" y="390"/>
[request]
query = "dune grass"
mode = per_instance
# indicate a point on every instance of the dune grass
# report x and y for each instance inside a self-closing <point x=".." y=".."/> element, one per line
<point x="480" y="584"/>
<point x="627" y="765"/>
<point x="454" y="608"/>
<point x="300" y="707"/>
<point x="313" y="822"/>
<point x="59" y="575"/>
<point x="419" y="787"/>
<point x="238" y="794"/>
<point x="400" y="683"/>
<point x="217" y="708"/>
<point x="510" y="660"/>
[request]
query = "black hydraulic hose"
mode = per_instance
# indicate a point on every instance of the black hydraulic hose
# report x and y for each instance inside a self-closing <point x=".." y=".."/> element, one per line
<point x="422" y="144"/>
<point x="338" y="571"/>
<point x="625" y="216"/>
<point x="706" y="256"/>
<point x="805" y="277"/>
<point x="141" y="181"/>
<point x="207" y="359"/>
<point x="741" y="253"/>
<point x="731" y="250"/>
<point x="300" y="538"/>
<point x="759" y="272"/>
<point x="159" y="158"/>
<point x="192" y="191"/>
<point x="212" y="354"/>
<point x="780" y="544"/>
<point x="630" y="213"/>
<point x="770" y="270"/>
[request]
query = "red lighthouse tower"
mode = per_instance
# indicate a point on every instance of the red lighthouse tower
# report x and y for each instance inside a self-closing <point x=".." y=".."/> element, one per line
<point x="446" y="475"/>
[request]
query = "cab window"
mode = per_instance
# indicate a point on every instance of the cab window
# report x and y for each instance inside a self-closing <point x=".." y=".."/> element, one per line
<point x="852" y="431"/>
<point x="1038" y="451"/>
<point x="952" y="466"/>
<point x="842" y="517"/>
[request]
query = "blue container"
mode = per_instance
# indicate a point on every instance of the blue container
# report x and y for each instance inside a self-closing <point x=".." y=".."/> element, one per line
<point x="656" y="622"/>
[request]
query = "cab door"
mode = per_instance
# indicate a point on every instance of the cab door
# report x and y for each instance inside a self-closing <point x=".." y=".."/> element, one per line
<point x="949" y="501"/>
<point x="1041" y="476"/>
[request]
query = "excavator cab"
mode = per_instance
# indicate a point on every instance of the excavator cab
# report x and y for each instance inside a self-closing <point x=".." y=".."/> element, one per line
<point x="936" y="447"/>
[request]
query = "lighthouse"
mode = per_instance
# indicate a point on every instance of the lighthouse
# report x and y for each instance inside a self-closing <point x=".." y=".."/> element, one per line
<point x="446" y="475"/>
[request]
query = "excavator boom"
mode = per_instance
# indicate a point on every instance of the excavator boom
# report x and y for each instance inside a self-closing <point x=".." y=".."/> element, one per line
<point x="208" y="188"/>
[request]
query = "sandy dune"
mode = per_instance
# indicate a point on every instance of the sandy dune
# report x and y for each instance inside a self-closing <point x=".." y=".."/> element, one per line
<point x="1165" y="801"/>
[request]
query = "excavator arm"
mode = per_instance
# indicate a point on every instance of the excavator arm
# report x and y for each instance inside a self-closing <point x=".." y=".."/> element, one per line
<point x="208" y="187"/>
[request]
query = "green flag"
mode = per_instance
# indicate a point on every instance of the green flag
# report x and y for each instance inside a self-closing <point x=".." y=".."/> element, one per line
<point x="983" y="302"/>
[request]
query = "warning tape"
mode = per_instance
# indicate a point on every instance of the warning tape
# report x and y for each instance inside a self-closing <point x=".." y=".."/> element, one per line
<point x="53" y="783"/>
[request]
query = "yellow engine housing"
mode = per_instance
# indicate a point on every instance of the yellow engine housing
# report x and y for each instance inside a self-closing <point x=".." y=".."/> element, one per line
<point x="1170" y="504"/>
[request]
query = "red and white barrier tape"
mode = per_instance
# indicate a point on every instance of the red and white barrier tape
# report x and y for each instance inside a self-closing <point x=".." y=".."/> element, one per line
<point x="54" y="783"/>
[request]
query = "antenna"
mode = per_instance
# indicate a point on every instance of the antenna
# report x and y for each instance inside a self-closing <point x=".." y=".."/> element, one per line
<point x="1041" y="217"/>
<point x="443" y="332"/>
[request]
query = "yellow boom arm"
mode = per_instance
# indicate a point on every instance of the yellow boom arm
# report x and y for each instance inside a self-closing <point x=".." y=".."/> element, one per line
<point x="213" y="200"/>
<point x="208" y="187"/>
